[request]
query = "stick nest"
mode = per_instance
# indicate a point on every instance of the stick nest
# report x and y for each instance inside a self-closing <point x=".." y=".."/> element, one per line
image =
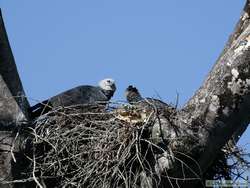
<point x="89" y="147"/>
<point x="96" y="146"/>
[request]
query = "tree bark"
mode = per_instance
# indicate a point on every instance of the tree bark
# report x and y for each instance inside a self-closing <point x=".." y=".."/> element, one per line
<point x="8" y="72"/>
<point x="13" y="107"/>
<point x="223" y="100"/>
<point x="218" y="111"/>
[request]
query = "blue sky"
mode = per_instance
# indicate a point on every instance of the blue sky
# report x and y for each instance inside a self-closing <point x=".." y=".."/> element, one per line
<point x="162" y="47"/>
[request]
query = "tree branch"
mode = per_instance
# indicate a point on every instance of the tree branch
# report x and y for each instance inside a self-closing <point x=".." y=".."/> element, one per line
<point x="187" y="141"/>
<point x="8" y="72"/>
<point x="13" y="108"/>
<point x="220" y="108"/>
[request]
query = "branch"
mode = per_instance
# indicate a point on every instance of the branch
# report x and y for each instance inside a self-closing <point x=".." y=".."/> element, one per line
<point x="8" y="72"/>
<point x="220" y="108"/>
<point x="13" y="108"/>
<point x="157" y="149"/>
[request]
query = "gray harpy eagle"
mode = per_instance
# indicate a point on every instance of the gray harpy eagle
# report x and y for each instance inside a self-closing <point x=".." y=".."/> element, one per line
<point x="134" y="97"/>
<point x="84" y="94"/>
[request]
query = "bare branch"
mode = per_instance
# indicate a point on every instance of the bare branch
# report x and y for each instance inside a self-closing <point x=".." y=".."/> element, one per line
<point x="8" y="71"/>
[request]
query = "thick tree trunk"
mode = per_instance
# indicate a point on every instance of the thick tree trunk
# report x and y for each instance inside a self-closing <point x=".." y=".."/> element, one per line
<point x="218" y="111"/>
<point x="9" y="74"/>
<point x="223" y="101"/>
<point x="13" y="106"/>
<point x="220" y="108"/>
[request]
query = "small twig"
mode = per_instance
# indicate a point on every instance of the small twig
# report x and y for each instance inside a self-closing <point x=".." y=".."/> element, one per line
<point x="177" y="100"/>
<point x="13" y="147"/>
<point x="34" y="165"/>
<point x="16" y="181"/>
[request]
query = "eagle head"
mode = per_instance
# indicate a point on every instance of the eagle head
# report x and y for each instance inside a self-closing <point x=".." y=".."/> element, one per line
<point x="132" y="94"/>
<point x="108" y="87"/>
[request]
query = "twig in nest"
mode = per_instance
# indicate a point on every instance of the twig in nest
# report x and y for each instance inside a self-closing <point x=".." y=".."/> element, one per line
<point x="13" y="147"/>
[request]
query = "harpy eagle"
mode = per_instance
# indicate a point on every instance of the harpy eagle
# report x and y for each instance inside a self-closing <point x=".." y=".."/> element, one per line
<point x="141" y="111"/>
<point x="84" y="94"/>
<point x="134" y="97"/>
<point x="141" y="108"/>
